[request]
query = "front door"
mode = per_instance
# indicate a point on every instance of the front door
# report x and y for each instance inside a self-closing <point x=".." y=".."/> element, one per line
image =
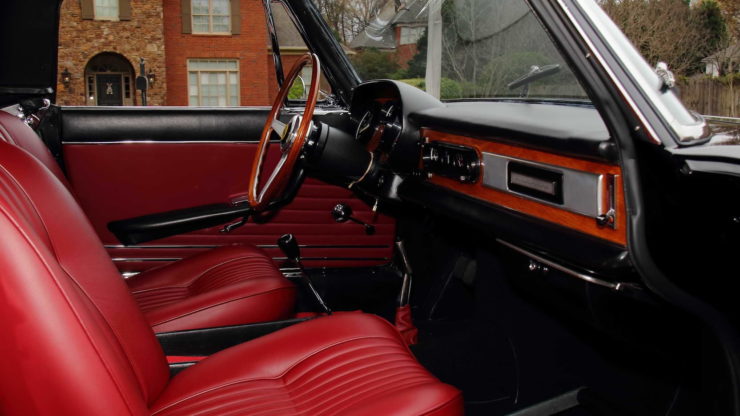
<point x="109" y="89"/>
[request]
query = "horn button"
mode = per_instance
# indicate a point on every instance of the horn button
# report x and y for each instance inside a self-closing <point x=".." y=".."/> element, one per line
<point x="289" y="133"/>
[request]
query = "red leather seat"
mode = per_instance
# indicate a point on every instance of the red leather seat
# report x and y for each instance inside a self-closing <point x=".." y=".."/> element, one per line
<point x="226" y="286"/>
<point x="346" y="364"/>
<point x="76" y="343"/>
<point x="229" y="285"/>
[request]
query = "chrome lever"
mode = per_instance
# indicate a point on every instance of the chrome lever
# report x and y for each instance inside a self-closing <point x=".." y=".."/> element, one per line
<point x="343" y="213"/>
<point x="234" y="225"/>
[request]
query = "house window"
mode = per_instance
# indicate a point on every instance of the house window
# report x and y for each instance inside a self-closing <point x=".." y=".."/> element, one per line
<point x="213" y="82"/>
<point x="106" y="9"/>
<point x="211" y="16"/>
<point x="411" y="35"/>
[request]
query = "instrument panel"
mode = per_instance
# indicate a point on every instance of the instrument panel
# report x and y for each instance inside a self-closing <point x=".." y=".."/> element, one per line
<point x="579" y="194"/>
<point x="527" y="158"/>
<point x="379" y="126"/>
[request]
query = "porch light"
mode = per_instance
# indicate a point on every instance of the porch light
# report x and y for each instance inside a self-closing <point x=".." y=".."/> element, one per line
<point x="151" y="77"/>
<point x="66" y="78"/>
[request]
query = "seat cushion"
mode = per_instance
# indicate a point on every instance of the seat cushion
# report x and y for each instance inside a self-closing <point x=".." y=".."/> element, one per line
<point x="346" y="364"/>
<point x="229" y="285"/>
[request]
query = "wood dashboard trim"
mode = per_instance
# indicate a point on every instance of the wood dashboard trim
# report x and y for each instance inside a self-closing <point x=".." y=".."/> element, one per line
<point x="578" y="222"/>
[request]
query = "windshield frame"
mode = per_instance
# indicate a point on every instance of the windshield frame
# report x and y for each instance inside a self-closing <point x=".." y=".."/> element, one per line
<point x="636" y="73"/>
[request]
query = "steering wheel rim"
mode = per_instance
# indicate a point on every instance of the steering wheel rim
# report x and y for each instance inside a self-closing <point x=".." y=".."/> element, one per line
<point x="292" y="138"/>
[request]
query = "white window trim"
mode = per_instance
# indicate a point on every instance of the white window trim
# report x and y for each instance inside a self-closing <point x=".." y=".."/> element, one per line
<point x="106" y="18"/>
<point x="210" y="20"/>
<point x="227" y="71"/>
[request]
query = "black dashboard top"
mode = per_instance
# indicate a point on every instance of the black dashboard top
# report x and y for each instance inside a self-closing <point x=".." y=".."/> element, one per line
<point x="569" y="129"/>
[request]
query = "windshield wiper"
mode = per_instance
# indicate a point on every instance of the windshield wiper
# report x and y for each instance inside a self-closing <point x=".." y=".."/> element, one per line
<point x="535" y="73"/>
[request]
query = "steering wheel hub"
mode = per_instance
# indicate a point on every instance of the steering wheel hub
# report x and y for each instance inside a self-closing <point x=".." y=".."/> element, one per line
<point x="290" y="132"/>
<point x="292" y="137"/>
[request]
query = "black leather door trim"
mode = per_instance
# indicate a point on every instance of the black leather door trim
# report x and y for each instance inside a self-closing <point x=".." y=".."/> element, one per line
<point x="162" y="124"/>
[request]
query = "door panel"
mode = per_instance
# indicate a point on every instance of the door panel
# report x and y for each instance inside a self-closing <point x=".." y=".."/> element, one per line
<point x="115" y="179"/>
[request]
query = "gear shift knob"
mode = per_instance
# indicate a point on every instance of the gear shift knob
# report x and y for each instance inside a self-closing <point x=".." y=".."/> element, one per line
<point x="289" y="246"/>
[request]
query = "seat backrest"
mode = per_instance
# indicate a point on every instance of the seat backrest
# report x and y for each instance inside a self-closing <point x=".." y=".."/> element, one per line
<point x="14" y="131"/>
<point x="73" y="340"/>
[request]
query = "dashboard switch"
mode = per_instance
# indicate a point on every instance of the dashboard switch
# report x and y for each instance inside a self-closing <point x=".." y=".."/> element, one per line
<point x="451" y="161"/>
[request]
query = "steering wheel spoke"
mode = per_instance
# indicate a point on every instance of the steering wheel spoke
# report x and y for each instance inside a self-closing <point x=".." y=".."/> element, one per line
<point x="292" y="138"/>
<point x="279" y="128"/>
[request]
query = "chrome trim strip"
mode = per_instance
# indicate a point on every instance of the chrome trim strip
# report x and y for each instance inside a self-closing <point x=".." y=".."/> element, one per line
<point x="162" y="246"/>
<point x="142" y="259"/>
<point x="367" y="171"/>
<point x="128" y="275"/>
<point x="171" y="259"/>
<point x="581" y="189"/>
<point x="104" y="142"/>
<point x="337" y="258"/>
<point x="619" y="286"/>
<point x="196" y="246"/>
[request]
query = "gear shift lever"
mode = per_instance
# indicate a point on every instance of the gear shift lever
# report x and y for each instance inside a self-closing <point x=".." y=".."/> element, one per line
<point x="289" y="246"/>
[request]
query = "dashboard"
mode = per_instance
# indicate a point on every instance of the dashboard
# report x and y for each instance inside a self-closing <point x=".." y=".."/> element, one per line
<point x="542" y="175"/>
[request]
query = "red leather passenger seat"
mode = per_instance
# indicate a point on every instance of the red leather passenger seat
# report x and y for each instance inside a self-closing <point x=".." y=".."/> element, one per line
<point x="76" y="343"/>
<point x="225" y="286"/>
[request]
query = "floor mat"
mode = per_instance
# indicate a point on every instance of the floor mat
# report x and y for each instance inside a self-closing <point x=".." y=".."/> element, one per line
<point x="473" y="355"/>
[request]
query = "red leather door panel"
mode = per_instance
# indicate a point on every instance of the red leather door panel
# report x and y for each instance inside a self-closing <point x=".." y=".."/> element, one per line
<point x="127" y="179"/>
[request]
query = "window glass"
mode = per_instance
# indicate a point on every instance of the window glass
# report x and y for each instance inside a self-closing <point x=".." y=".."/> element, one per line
<point x="410" y="35"/>
<point x="480" y="48"/>
<point x="106" y="9"/>
<point x="211" y="16"/>
<point x="213" y="83"/>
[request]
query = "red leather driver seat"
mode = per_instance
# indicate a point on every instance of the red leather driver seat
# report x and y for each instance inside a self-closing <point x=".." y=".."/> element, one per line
<point x="76" y="343"/>
<point x="225" y="286"/>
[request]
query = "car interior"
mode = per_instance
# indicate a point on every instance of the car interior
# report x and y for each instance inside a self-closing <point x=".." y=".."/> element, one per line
<point x="382" y="252"/>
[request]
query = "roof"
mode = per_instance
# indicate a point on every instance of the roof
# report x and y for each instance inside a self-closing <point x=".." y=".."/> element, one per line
<point x="379" y="33"/>
<point x="287" y="34"/>
<point x="730" y="52"/>
<point x="381" y="38"/>
<point x="414" y="11"/>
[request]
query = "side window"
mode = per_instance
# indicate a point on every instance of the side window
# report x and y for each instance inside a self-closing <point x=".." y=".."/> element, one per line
<point x="213" y="83"/>
<point x="211" y="16"/>
<point x="111" y="10"/>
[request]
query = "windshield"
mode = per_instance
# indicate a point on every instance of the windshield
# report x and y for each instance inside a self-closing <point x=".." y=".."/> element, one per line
<point x="453" y="49"/>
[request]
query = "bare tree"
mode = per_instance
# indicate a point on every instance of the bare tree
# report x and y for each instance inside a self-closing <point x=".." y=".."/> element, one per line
<point x="347" y="18"/>
<point x="663" y="30"/>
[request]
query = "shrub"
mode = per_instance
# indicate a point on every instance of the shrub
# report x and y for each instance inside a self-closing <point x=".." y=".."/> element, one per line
<point x="374" y="64"/>
<point x="449" y="89"/>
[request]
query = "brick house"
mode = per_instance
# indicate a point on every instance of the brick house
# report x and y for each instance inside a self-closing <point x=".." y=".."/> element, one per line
<point x="100" y="44"/>
<point x="197" y="52"/>
<point x="406" y="25"/>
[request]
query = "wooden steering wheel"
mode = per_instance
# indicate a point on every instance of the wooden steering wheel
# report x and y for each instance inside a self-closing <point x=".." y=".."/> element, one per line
<point x="292" y="138"/>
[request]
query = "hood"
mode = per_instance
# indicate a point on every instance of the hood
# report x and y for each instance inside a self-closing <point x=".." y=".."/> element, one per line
<point x="28" y="49"/>
<point x="724" y="131"/>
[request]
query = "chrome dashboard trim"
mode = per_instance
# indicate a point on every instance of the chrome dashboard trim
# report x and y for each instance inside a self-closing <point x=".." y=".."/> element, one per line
<point x="583" y="192"/>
